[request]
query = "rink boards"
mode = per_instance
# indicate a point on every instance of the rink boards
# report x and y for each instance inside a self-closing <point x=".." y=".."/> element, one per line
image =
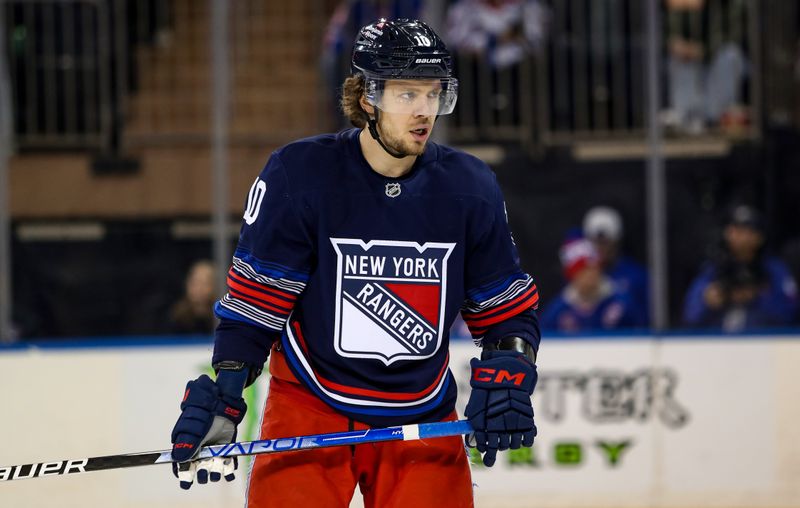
<point x="623" y="421"/>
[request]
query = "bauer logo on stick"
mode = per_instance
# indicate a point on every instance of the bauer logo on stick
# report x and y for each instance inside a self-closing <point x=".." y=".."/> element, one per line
<point x="390" y="298"/>
<point x="44" y="469"/>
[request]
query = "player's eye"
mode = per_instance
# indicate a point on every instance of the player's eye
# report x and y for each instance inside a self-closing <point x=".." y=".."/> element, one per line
<point x="407" y="96"/>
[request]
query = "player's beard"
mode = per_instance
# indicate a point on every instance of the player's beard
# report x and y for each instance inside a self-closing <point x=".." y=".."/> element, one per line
<point x="399" y="144"/>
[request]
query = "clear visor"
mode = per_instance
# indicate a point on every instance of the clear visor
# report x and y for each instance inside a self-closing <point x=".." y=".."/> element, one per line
<point x="419" y="97"/>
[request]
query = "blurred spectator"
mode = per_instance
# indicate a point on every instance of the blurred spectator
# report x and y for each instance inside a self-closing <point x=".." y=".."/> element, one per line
<point x="744" y="288"/>
<point x="503" y="30"/>
<point x="603" y="226"/>
<point x="194" y="312"/>
<point x="706" y="64"/>
<point x="590" y="300"/>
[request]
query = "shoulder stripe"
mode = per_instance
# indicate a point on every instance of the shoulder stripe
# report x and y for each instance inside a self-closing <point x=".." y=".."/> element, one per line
<point x="271" y="269"/>
<point x="479" y="318"/>
<point x="498" y="294"/>
<point x="279" y="299"/>
<point x="479" y="330"/>
<point x="261" y="304"/>
<point x="242" y="311"/>
<point x="281" y="283"/>
<point x="258" y="298"/>
<point x="502" y="300"/>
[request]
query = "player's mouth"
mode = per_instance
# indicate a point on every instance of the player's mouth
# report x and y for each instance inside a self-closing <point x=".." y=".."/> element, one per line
<point x="420" y="134"/>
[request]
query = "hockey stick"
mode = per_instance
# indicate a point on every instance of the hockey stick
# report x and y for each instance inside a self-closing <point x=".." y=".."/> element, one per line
<point x="285" y="444"/>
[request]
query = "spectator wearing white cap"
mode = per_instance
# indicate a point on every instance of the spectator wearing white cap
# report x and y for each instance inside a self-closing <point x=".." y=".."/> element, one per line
<point x="603" y="226"/>
<point x="590" y="301"/>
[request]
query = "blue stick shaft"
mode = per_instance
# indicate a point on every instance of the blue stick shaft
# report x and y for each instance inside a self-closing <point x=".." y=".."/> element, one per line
<point x="355" y="437"/>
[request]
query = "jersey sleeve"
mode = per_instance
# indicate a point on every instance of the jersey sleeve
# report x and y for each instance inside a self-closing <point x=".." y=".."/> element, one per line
<point x="500" y="298"/>
<point x="269" y="270"/>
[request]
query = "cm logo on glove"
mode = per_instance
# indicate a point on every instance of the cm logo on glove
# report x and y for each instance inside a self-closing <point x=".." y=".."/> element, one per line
<point x="486" y="375"/>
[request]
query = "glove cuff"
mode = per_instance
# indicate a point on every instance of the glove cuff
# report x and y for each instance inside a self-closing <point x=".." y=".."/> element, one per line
<point x="497" y="354"/>
<point x="231" y="382"/>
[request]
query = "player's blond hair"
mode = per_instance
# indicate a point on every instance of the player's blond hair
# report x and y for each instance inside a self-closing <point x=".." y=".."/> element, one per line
<point x="352" y="91"/>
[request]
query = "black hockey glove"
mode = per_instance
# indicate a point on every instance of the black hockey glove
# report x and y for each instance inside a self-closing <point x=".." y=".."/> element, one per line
<point x="210" y="413"/>
<point x="499" y="406"/>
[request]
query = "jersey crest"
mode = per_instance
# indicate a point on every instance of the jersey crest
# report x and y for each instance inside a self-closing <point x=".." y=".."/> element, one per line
<point x="390" y="298"/>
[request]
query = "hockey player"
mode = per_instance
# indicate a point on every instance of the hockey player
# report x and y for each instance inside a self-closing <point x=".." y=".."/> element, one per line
<point x="356" y="253"/>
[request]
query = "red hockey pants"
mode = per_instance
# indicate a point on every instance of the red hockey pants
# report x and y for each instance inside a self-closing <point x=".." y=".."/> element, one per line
<point x="421" y="474"/>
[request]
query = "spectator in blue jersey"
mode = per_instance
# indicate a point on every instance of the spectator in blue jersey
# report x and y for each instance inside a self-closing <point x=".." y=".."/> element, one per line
<point x="590" y="301"/>
<point x="357" y="251"/>
<point x="603" y="226"/>
<point x="743" y="288"/>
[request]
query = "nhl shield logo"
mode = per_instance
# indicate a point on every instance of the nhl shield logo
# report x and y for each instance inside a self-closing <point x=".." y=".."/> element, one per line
<point x="390" y="298"/>
<point x="393" y="190"/>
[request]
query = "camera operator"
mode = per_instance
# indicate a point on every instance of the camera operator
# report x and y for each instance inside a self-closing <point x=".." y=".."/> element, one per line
<point x="744" y="288"/>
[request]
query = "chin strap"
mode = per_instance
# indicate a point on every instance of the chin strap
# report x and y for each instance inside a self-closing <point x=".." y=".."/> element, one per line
<point x="373" y="129"/>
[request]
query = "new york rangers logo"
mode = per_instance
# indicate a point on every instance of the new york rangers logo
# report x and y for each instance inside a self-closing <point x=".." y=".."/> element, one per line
<point x="390" y="298"/>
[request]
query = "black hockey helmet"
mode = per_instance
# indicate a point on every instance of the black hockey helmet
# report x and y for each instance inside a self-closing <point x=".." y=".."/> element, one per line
<point x="400" y="48"/>
<point x="403" y="49"/>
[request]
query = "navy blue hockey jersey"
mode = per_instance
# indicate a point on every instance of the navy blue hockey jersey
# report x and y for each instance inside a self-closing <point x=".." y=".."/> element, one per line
<point x="362" y="275"/>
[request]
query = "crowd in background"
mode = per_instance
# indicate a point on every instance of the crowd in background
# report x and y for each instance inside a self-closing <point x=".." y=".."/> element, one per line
<point x="742" y="286"/>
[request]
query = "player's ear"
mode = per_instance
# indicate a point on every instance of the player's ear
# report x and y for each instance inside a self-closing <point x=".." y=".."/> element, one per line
<point x="366" y="106"/>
